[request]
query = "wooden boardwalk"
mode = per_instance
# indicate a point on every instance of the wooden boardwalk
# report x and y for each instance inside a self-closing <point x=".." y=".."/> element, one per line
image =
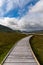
<point x="21" y="54"/>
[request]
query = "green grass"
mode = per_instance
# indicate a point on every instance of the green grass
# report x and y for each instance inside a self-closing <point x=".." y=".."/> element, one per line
<point x="7" y="40"/>
<point x="37" y="46"/>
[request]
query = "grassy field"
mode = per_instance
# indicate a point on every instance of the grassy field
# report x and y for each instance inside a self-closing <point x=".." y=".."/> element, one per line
<point x="7" y="40"/>
<point x="37" y="46"/>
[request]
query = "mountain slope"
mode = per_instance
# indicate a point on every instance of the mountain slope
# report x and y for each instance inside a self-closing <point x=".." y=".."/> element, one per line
<point x="5" y="29"/>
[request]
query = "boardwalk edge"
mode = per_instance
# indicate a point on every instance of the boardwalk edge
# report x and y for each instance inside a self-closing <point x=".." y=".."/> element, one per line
<point x="14" y="46"/>
<point x="7" y="54"/>
<point x="33" y="52"/>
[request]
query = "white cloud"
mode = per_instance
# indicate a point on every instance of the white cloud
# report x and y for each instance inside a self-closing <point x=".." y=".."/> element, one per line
<point x="7" y="5"/>
<point x="33" y="20"/>
<point x="10" y="22"/>
<point x="1" y="2"/>
<point x="38" y="7"/>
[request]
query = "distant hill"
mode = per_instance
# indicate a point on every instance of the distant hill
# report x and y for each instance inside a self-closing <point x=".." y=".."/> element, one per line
<point x="5" y="29"/>
<point x="35" y="31"/>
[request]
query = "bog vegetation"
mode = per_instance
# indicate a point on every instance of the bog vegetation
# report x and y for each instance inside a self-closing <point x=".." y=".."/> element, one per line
<point x="7" y="40"/>
<point x="37" y="46"/>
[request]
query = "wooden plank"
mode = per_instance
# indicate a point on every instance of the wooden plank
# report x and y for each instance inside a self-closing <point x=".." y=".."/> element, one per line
<point x="21" y="54"/>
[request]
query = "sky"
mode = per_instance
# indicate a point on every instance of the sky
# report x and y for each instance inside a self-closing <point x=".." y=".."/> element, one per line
<point x="22" y="14"/>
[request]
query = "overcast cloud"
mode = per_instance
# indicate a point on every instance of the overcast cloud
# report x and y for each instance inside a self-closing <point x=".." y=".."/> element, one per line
<point x="33" y="20"/>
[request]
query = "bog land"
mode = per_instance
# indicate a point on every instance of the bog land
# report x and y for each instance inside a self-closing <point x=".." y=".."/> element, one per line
<point x="7" y="40"/>
<point x="37" y="46"/>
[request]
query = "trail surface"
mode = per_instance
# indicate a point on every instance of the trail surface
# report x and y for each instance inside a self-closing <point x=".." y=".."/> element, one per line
<point x="21" y="54"/>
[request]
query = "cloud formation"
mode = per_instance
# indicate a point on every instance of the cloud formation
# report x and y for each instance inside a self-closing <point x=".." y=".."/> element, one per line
<point x="7" y="5"/>
<point x="38" y="7"/>
<point x="33" y="20"/>
<point x="20" y="6"/>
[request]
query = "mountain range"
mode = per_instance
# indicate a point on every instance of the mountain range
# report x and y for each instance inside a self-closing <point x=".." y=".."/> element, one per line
<point x="7" y="29"/>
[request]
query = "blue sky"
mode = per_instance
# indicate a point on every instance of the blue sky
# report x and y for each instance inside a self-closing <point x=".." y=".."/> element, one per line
<point x="15" y="8"/>
<point x="22" y="14"/>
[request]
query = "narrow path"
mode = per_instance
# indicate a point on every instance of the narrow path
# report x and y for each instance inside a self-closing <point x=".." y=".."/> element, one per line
<point x="21" y="54"/>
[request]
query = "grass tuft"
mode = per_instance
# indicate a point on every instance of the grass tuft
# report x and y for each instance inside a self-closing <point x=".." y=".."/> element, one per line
<point x="7" y="40"/>
<point x="37" y="46"/>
